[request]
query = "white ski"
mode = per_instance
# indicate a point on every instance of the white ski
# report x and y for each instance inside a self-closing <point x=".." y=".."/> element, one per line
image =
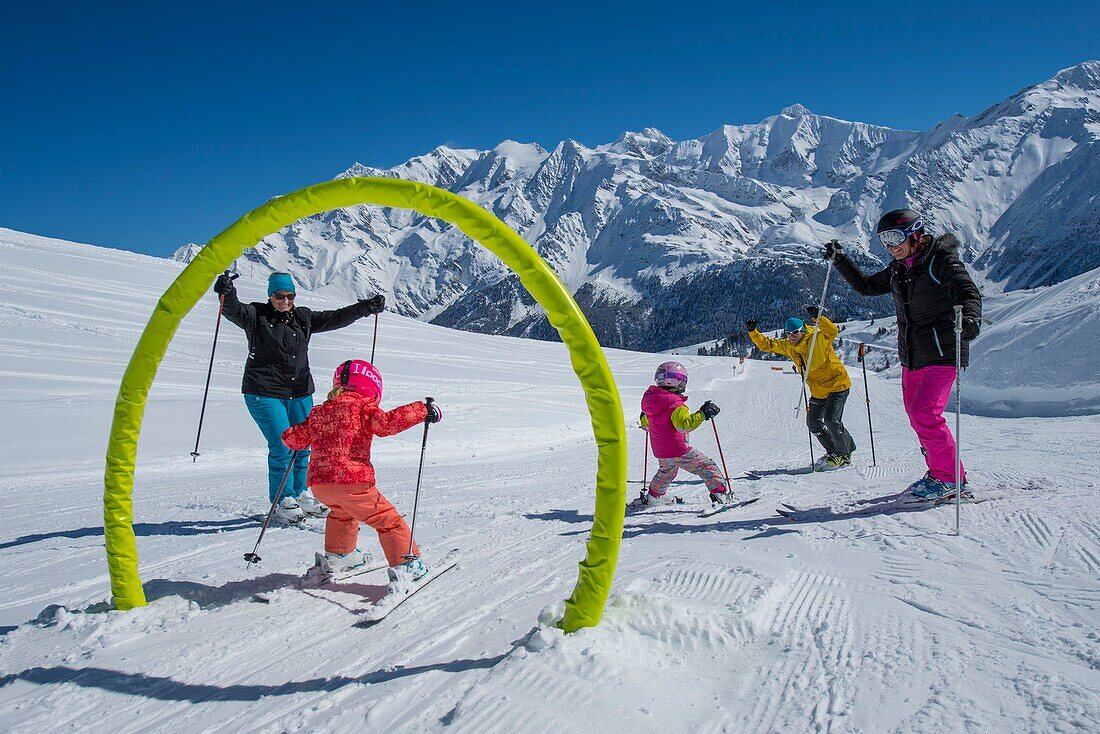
<point x="715" y="508"/>
<point x="384" y="606"/>
<point x="312" y="580"/>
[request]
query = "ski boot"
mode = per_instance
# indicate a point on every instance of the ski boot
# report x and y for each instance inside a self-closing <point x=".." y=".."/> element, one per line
<point x="928" y="489"/>
<point x="288" y="513"/>
<point x="657" y="500"/>
<point x="310" y="505"/>
<point x="725" y="497"/>
<point x="404" y="576"/>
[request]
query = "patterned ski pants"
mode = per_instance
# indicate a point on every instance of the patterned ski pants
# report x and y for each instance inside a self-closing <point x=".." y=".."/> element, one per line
<point x="694" y="462"/>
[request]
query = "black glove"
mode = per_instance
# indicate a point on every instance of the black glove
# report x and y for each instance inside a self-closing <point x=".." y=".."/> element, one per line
<point x="814" y="312"/>
<point x="971" y="327"/>
<point x="223" y="286"/>
<point x="369" y="306"/>
<point x="750" y="325"/>
<point x="833" y="250"/>
<point x="709" y="410"/>
<point x="434" y="413"/>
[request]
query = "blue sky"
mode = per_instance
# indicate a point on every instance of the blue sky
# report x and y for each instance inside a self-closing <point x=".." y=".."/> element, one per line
<point x="144" y="127"/>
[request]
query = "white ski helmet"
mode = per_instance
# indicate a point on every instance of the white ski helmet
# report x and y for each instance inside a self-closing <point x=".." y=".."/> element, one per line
<point x="672" y="375"/>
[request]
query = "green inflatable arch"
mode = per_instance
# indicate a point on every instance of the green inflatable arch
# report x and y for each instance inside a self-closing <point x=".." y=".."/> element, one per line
<point x="585" y="606"/>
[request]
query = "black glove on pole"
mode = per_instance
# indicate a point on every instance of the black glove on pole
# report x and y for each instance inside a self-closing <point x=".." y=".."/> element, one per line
<point x="709" y="410"/>
<point x="419" y="473"/>
<point x="220" y="287"/>
<point x="375" y="305"/>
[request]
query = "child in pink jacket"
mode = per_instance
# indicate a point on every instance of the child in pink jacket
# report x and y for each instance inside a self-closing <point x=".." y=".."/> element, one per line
<point x="666" y="417"/>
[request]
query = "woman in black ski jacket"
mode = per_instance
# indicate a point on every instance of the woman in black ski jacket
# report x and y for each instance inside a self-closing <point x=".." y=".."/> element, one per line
<point x="927" y="280"/>
<point x="277" y="385"/>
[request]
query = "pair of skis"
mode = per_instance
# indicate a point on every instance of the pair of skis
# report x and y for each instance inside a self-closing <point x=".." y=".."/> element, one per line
<point x="899" y="503"/>
<point x="385" y="606"/>
<point x="711" y="511"/>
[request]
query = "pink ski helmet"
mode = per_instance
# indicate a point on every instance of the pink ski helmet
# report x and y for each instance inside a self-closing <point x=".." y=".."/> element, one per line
<point x="359" y="376"/>
<point x="672" y="375"/>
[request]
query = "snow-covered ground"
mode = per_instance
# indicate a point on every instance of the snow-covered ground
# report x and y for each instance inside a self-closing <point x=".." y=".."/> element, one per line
<point x="849" y="620"/>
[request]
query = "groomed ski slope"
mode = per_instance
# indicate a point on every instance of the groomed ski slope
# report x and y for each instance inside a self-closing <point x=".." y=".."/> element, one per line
<point x="744" y="622"/>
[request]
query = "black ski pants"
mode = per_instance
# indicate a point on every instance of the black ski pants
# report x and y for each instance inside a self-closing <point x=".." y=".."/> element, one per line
<point x="825" y="418"/>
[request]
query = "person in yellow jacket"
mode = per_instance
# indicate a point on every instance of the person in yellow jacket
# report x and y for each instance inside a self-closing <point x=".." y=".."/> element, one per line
<point x="827" y="379"/>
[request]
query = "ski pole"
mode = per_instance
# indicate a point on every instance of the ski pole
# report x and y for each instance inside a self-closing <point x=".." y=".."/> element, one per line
<point x="809" y="433"/>
<point x="209" y="370"/>
<point x="867" y="395"/>
<point x="722" y="457"/>
<point x="375" y="339"/>
<point x="419" y="473"/>
<point x="958" y="413"/>
<point x="810" y="358"/>
<point x="645" y="465"/>
<point x="252" y="557"/>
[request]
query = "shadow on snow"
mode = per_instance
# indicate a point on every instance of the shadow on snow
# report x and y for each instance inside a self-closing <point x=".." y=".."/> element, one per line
<point x="172" y="527"/>
<point x="166" y="689"/>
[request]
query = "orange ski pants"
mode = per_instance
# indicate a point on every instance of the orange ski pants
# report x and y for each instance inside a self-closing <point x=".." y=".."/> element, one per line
<point x="351" y="504"/>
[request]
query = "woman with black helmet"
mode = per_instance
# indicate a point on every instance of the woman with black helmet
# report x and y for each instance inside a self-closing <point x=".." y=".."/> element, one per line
<point x="927" y="280"/>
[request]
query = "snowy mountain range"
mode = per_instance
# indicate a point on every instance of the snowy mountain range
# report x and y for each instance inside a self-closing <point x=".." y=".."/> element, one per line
<point x="668" y="242"/>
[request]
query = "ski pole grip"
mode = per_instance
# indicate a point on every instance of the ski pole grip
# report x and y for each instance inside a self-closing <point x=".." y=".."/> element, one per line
<point x="959" y="319"/>
<point x="428" y="402"/>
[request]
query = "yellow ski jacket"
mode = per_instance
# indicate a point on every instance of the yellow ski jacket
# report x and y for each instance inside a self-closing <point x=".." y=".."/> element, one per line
<point x="827" y="374"/>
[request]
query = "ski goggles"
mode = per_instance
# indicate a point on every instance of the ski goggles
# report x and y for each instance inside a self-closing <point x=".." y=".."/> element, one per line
<point x="893" y="238"/>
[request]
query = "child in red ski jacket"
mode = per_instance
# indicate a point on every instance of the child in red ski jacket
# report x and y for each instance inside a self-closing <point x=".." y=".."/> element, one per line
<point x="340" y="432"/>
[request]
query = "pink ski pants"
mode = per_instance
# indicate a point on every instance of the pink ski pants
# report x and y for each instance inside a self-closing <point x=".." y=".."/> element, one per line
<point x="693" y="461"/>
<point x="925" y="393"/>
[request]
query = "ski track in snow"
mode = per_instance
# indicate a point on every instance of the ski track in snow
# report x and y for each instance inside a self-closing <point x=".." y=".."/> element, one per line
<point x="857" y="617"/>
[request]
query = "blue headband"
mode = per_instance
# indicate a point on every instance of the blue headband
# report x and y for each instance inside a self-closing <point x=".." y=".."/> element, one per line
<point x="280" y="282"/>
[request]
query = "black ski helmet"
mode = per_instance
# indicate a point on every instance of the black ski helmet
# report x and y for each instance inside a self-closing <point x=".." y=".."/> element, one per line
<point x="897" y="226"/>
<point x="902" y="219"/>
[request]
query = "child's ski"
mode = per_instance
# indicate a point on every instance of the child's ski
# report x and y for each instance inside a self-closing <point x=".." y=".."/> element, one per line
<point x="638" y="504"/>
<point x="384" y="606"/>
<point x="715" y="508"/>
<point x="310" y="581"/>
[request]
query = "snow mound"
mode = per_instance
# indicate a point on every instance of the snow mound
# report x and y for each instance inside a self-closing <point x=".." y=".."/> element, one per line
<point x="1040" y="356"/>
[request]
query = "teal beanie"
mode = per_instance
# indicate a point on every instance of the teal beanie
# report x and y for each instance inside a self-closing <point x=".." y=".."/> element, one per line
<point x="277" y="282"/>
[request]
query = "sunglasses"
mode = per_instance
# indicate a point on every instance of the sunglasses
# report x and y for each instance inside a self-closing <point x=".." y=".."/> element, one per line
<point x="788" y="333"/>
<point x="283" y="296"/>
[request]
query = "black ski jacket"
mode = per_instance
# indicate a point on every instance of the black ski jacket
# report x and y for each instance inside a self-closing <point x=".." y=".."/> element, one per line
<point x="925" y="297"/>
<point x="278" y="359"/>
